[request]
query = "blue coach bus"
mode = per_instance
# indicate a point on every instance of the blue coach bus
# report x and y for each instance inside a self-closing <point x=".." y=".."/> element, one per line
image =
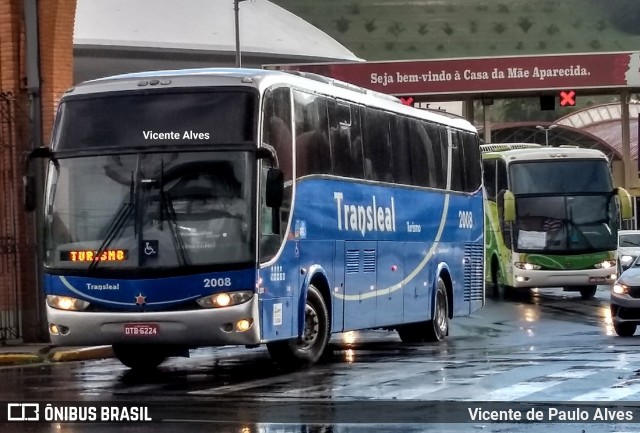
<point x="245" y="207"/>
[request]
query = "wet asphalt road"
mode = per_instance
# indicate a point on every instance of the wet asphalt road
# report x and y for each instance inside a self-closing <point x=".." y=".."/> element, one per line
<point x="547" y="347"/>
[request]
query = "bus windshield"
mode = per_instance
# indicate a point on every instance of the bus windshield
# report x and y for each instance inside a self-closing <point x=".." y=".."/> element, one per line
<point x="150" y="210"/>
<point x="560" y="177"/>
<point x="562" y="224"/>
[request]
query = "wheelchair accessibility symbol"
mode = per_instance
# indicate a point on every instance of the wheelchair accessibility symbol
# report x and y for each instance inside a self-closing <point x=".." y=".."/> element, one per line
<point x="150" y="248"/>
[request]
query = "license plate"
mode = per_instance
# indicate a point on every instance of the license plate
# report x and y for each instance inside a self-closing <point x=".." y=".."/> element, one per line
<point x="597" y="279"/>
<point x="141" y="329"/>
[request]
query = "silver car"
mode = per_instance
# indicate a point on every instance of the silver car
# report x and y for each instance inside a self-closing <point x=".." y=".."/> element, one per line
<point x="625" y="301"/>
<point x="628" y="248"/>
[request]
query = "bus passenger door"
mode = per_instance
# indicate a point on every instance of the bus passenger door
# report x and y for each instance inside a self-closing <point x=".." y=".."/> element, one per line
<point x="359" y="285"/>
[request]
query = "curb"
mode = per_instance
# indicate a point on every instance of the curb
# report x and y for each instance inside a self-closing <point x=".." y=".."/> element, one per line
<point x="19" y="358"/>
<point x="82" y="354"/>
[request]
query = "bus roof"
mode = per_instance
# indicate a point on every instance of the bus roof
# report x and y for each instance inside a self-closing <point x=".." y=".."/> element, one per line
<point x="513" y="152"/>
<point x="261" y="79"/>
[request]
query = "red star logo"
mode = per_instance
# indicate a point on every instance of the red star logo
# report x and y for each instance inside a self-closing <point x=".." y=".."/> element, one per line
<point x="141" y="300"/>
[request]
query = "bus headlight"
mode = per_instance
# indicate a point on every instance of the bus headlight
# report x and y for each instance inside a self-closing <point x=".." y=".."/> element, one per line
<point x="620" y="289"/>
<point x="625" y="260"/>
<point x="606" y="264"/>
<point x="527" y="266"/>
<point x="225" y="299"/>
<point x="66" y="303"/>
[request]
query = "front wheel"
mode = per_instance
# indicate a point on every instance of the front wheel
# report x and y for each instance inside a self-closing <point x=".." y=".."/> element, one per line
<point x="139" y="357"/>
<point x="624" y="329"/>
<point x="588" y="292"/>
<point x="309" y="347"/>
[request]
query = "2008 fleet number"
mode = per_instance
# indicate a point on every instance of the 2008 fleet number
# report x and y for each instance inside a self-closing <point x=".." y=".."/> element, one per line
<point x="466" y="219"/>
<point x="217" y="282"/>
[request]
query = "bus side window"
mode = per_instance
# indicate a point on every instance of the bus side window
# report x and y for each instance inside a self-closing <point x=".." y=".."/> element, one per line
<point x="421" y="165"/>
<point x="346" y="139"/>
<point x="472" y="160"/>
<point x="312" y="135"/>
<point x="377" y="147"/>
<point x="401" y="154"/>
<point x="440" y="141"/>
<point x="489" y="173"/>
<point x="276" y="127"/>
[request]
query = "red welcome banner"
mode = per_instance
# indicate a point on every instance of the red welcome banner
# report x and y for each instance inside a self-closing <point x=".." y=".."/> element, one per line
<point x="497" y="74"/>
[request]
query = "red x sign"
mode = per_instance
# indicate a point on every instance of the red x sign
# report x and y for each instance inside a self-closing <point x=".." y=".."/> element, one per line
<point x="567" y="98"/>
<point x="408" y="101"/>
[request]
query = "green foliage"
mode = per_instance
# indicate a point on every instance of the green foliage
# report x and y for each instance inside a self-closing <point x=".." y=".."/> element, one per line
<point x="447" y="29"/>
<point x="520" y="46"/>
<point x="354" y="8"/>
<point x="601" y="25"/>
<point x="499" y="28"/>
<point x="342" y="24"/>
<point x="503" y="8"/>
<point x="396" y="28"/>
<point x="595" y="44"/>
<point x="423" y="29"/>
<point x="370" y="26"/>
<point x="552" y="29"/>
<point x="542" y="45"/>
<point x="525" y="23"/>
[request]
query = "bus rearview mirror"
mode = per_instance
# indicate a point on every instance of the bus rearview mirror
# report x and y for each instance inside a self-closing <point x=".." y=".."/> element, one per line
<point x="29" y="184"/>
<point x="509" y="207"/>
<point x="275" y="188"/>
<point x="626" y="210"/>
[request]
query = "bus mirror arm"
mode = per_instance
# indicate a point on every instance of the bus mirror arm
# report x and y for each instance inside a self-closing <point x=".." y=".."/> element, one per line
<point x="29" y="181"/>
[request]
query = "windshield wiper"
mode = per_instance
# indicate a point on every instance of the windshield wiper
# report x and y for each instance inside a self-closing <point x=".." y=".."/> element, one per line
<point x="178" y="242"/>
<point x="122" y="216"/>
<point x="166" y="208"/>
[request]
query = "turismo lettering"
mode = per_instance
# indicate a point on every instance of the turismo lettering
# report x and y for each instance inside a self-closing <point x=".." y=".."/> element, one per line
<point x="363" y="219"/>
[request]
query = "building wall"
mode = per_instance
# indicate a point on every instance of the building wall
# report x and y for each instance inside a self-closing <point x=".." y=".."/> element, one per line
<point x="21" y="309"/>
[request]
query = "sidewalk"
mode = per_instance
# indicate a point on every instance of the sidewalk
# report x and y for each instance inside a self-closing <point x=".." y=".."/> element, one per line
<point x="16" y="353"/>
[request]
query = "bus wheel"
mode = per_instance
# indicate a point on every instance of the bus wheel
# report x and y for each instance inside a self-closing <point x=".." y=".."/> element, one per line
<point x="588" y="292"/>
<point x="624" y="329"/>
<point x="139" y="357"/>
<point x="308" y="348"/>
<point x="438" y="327"/>
<point x="431" y="330"/>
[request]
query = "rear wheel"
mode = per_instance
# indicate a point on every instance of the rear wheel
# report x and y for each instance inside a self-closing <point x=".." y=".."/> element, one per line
<point x="139" y="357"/>
<point x="430" y="330"/>
<point x="587" y="292"/>
<point x="624" y="329"/>
<point x="308" y="348"/>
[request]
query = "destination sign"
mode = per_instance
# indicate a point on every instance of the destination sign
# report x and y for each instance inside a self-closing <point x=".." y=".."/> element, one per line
<point x="91" y="255"/>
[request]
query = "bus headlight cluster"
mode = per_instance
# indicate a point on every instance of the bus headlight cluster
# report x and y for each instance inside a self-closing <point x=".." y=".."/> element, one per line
<point x="225" y="299"/>
<point x="527" y="266"/>
<point x="606" y="264"/>
<point x="66" y="303"/>
<point x="626" y="259"/>
<point x="620" y="289"/>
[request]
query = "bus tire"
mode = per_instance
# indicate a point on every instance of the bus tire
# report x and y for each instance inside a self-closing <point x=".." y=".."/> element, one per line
<point x="438" y="327"/>
<point x="139" y="357"/>
<point x="430" y="330"/>
<point x="624" y="329"/>
<point x="308" y="348"/>
<point x="587" y="292"/>
<point x="498" y="289"/>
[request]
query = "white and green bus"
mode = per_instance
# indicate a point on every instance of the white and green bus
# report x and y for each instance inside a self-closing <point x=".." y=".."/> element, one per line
<point x="552" y="217"/>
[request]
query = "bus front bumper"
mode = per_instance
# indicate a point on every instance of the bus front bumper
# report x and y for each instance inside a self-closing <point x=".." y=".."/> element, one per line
<point x="563" y="278"/>
<point x="206" y="327"/>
